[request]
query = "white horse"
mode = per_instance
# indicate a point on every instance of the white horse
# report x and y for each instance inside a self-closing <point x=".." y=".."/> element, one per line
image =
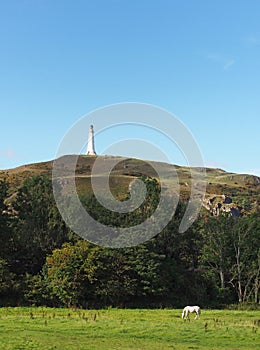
<point x="190" y="309"/>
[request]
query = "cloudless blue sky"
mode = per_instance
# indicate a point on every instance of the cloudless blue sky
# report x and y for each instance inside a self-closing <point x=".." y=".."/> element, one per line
<point x="198" y="59"/>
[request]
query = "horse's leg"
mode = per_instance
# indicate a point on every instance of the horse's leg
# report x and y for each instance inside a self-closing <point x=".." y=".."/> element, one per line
<point x="183" y="314"/>
<point x="186" y="315"/>
<point x="197" y="315"/>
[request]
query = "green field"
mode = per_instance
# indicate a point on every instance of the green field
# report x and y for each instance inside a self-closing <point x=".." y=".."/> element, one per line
<point x="46" y="328"/>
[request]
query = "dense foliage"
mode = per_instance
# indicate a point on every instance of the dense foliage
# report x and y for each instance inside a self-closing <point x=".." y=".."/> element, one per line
<point x="213" y="263"/>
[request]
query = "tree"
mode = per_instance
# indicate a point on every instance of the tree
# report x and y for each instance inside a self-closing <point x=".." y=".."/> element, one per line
<point x="5" y="230"/>
<point x="70" y="273"/>
<point x="38" y="225"/>
<point x="148" y="274"/>
<point x="8" y="284"/>
<point x="114" y="279"/>
<point x="246" y="263"/>
<point x="216" y="251"/>
<point x="87" y="275"/>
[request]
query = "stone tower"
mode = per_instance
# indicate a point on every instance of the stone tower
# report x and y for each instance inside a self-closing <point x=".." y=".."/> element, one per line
<point x="91" y="147"/>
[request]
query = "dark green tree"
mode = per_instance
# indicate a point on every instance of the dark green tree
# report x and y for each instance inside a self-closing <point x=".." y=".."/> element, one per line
<point x="5" y="220"/>
<point x="38" y="225"/>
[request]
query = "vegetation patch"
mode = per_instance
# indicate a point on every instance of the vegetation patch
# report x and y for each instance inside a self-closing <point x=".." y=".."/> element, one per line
<point x="47" y="328"/>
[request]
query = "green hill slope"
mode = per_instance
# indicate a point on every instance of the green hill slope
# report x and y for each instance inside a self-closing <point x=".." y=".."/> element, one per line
<point x="224" y="190"/>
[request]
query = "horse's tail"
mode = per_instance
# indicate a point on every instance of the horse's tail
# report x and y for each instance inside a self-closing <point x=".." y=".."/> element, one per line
<point x="183" y="313"/>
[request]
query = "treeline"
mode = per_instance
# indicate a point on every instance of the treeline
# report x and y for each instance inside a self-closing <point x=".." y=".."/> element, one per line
<point x="214" y="263"/>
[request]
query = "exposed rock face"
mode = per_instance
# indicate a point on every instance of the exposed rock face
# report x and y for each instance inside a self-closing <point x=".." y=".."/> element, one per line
<point x="226" y="200"/>
<point x="256" y="180"/>
<point x="216" y="207"/>
<point x="235" y="212"/>
<point x="208" y="203"/>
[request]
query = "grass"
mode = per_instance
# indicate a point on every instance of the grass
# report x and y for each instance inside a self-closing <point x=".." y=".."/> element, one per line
<point x="46" y="328"/>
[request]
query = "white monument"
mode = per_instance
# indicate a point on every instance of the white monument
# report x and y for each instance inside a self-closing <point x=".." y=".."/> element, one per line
<point x="91" y="147"/>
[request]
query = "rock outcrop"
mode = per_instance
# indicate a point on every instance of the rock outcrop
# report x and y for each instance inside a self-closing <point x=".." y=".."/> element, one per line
<point x="216" y="206"/>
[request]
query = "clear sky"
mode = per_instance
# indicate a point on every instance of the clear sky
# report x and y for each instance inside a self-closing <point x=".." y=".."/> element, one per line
<point x="198" y="59"/>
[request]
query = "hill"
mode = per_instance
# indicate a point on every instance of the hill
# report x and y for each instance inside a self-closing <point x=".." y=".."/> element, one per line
<point x="226" y="191"/>
<point x="44" y="261"/>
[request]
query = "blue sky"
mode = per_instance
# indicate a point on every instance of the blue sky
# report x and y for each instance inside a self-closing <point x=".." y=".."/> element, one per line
<point x="198" y="59"/>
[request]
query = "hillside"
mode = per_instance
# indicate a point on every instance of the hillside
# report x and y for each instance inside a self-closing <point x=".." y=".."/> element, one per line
<point x="45" y="261"/>
<point x="224" y="190"/>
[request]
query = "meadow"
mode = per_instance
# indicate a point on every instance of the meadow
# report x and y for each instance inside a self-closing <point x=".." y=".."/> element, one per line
<point x="47" y="328"/>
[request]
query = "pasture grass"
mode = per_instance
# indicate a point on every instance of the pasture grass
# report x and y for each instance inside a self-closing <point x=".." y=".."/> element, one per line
<point x="47" y="328"/>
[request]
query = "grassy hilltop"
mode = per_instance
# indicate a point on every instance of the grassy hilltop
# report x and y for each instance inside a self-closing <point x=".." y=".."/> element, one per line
<point x="242" y="189"/>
